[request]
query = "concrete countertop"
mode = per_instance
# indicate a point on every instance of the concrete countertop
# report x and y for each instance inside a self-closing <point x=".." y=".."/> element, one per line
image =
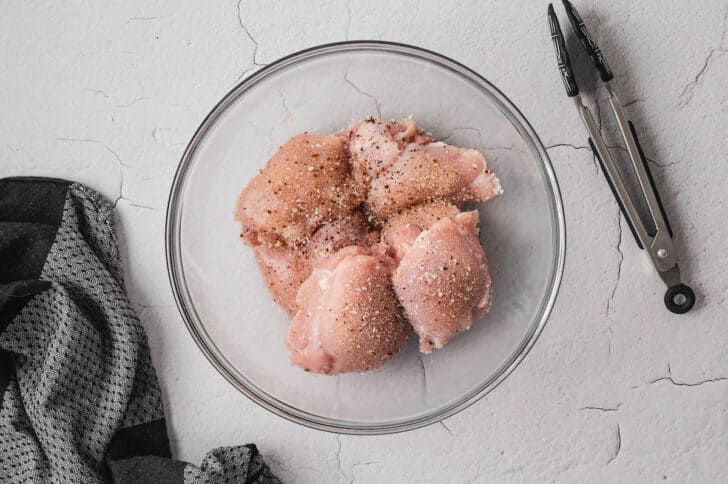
<point x="616" y="390"/>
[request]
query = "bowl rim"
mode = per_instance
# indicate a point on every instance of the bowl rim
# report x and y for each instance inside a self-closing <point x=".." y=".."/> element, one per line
<point x="204" y="341"/>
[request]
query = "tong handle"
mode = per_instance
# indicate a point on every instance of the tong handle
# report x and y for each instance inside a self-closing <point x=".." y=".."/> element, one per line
<point x="616" y="196"/>
<point x="679" y="298"/>
<point x="562" y="55"/>
<point x="651" y="180"/>
<point x="591" y="47"/>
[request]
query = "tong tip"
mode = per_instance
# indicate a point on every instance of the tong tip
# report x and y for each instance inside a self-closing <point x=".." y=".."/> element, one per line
<point x="600" y="63"/>
<point x="562" y="56"/>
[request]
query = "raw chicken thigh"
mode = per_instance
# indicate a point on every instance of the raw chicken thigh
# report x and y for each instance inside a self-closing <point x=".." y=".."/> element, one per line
<point x="285" y="268"/>
<point x="436" y="171"/>
<point x="329" y="238"/>
<point x="443" y="280"/>
<point x="375" y="145"/>
<point x="360" y="238"/>
<point x="305" y="184"/>
<point x="401" y="230"/>
<point x="348" y="317"/>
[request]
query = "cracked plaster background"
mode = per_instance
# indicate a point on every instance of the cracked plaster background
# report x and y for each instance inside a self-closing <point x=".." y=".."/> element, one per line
<point x="616" y="389"/>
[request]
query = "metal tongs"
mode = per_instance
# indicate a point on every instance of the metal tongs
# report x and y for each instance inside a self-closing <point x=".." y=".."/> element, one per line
<point x="656" y="240"/>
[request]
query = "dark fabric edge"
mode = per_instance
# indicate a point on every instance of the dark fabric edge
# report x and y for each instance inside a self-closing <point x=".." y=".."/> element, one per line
<point x="59" y="181"/>
<point x="28" y="234"/>
<point x="148" y="438"/>
<point x="147" y="469"/>
<point x="50" y="189"/>
<point x="31" y="210"/>
<point x="6" y="373"/>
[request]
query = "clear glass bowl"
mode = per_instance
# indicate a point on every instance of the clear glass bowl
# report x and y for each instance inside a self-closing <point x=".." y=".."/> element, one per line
<point x="221" y="294"/>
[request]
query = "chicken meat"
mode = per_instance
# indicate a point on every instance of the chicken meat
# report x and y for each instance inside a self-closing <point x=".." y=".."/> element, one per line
<point x="284" y="267"/>
<point x="435" y="171"/>
<point x="348" y="317"/>
<point x="375" y="144"/>
<point x="443" y="280"/>
<point x="401" y="230"/>
<point x="361" y="239"/>
<point x="305" y="184"/>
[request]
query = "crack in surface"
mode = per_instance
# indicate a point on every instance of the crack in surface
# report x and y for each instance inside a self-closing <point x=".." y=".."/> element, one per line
<point x="79" y="140"/>
<point x="424" y="372"/>
<point x="670" y="379"/>
<point x="100" y="92"/>
<point x="138" y="19"/>
<point x="363" y="93"/>
<point x="602" y="409"/>
<point x="567" y="145"/>
<point x="615" y="147"/>
<point x="618" y="447"/>
<point x="121" y="187"/>
<point x="689" y="90"/>
<point x="254" y="61"/>
<point x="285" y="104"/>
<point x="98" y="142"/>
<point x="447" y="429"/>
<point x="689" y="384"/>
<point x="115" y="102"/>
<point x="649" y="160"/>
<point x="115" y="154"/>
<point x="454" y="130"/>
<point x="619" y="271"/>
<point x="463" y="128"/>
<point x="337" y="456"/>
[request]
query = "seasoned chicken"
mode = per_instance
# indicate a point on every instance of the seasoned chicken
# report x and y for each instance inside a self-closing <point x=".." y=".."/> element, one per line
<point x="305" y="184"/>
<point x="436" y="171"/>
<point x="443" y="280"/>
<point x="330" y="237"/>
<point x="375" y="144"/>
<point x="348" y="319"/>
<point x="361" y="239"/>
<point x="284" y="268"/>
<point x="401" y="230"/>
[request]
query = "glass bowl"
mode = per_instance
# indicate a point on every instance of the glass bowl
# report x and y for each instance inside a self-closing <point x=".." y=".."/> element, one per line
<point x="221" y="294"/>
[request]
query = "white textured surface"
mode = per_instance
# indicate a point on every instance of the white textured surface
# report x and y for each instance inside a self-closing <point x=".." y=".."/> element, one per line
<point x="616" y="389"/>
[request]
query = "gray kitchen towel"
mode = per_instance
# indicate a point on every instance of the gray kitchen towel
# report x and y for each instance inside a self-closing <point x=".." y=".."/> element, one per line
<point x="79" y="398"/>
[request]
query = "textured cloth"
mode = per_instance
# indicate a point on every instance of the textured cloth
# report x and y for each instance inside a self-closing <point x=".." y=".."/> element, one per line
<point x="79" y="398"/>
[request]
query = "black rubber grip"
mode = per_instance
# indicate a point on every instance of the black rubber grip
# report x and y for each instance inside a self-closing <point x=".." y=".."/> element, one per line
<point x="591" y="47"/>
<point x="562" y="55"/>
<point x="679" y="299"/>
<point x="614" y="192"/>
<point x="651" y="180"/>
